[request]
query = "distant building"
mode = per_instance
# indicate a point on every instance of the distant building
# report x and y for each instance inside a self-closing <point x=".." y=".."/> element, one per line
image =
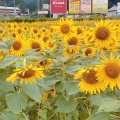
<point x="9" y="10"/>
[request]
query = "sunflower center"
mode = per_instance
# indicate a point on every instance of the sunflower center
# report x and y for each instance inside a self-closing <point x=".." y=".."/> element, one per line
<point x="16" y="45"/>
<point x="65" y="28"/>
<point x="72" y="41"/>
<point x="79" y="31"/>
<point x="112" y="70"/>
<point x="1" y="31"/>
<point x="45" y="38"/>
<point x="51" y="44"/>
<point x="51" y="30"/>
<point x="102" y="33"/>
<point x="90" y="77"/>
<point x="36" y="46"/>
<point x="27" y="74"/>
<point x="19" y="31"/>
<point x="88" y="52"/>
<point x="43" y="62"/>
<point x="14" y="35"/>
<point x="35" y="31"/>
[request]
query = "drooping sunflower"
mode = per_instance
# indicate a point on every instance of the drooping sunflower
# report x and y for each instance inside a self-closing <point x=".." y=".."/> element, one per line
<point x="89" y="82"/>
<point x="65" y="27"/>
<point x="89" y="52"/>
<point x="109" y="71"/>
<point x="26" y="74"/>
<point x="104" y="34"/>
<point x="68" y="52"/>
<point x="18" y="46"/>
<point x="45" y="63"/>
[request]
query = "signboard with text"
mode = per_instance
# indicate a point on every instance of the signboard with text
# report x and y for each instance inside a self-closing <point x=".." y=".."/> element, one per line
<point x="58" y="6"/>
<point x="74" y="6"/>
<point x="99" y="6"/>
<point x="85" y="6"/>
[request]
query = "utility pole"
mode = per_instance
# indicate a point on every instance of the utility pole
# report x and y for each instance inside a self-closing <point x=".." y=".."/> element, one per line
<point x="38" y="7"/>
<point x="14" y="8"/>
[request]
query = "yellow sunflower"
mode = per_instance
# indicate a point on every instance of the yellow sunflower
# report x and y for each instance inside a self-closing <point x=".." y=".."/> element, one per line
<point x="72" y="43"/>
<point x="1" y="55"/>
<point x="70" y="53"/>
<point x="36" y="44"/>
<point x="89" y="82"/>
<point x="45" y="63"/>
<point x="18" y="47"/>
<point x="65" y="27"/>
<point x="44" y="96"/>
<point x="51" y="45"/>
<point x="104" y="34"/>
<point x="89" y="52"/>
<point x="26" y="74"/>
<point x="109" y="71"/>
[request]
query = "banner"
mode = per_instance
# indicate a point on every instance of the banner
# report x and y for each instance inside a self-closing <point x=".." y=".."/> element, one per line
<point x="74" y="6"/>
<point x="99" y="6"/>
<point x="58" y="6"/>
<point x="85" y="6"/>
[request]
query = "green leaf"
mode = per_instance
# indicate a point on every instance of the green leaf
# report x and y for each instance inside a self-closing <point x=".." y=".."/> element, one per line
<point x="71" y="87"/>
<point x="16" y="102"/>
<point x="99" y="116"/>
<point x="33" y="90"/>
<point x="3" y="46"/>
<point x="8" y="61"/>
<point x="109" y="105"/>
<point x="64" y="106"/>
<point x="5" y="86"/>
<point x="8" y="116"/>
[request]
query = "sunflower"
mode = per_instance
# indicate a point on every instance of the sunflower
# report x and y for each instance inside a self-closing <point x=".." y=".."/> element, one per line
<point x="44" y="96"/>
<point x="109" y="71"/>
<point x="104" y="34"/>
<point x="26" y="74"/>
<point x="45" y="63"/>
<point x="1" y="55"/>
<point x="18" y="47"/>
<point x="52" y="92"/>
<point x="65" y="27"/>
<point x="51" y="45"/>
<point x="36" y="44"/>
<point x="19" y="31"/>
<point x="89" y="52"/>
<point x="72" y="43"/>
<point x="89" y="82"/>
<point x="70" y="53"/>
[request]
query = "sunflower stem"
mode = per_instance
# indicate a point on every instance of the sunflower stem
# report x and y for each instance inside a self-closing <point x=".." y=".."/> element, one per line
<point x="24" y="62"/>
<point x="24" y="115"/>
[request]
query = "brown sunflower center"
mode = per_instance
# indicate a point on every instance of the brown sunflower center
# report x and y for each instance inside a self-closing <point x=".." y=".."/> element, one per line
<point x="16" y="45"/>
<point x="102" y="33"/>
<point x="51" y="44"/>
<point x="79" y="31"/>
<point x="35" y="31"/>
<point x="43" y="62"/>
<point x="36" y="46"/>
<point x="90" y="77"/>
<point x="72" y="41"/>
<point x="14" y="35"/>
<point x="29" y="73"/>
<point x="88" y="52"/>
<point x="51" y="29"/>
<point x="112" y="70"/>
<point x="45" y="38"/>
<point x="19" y="31"/>
<point x="65" y="28"/>
<point x="1" y="31"/>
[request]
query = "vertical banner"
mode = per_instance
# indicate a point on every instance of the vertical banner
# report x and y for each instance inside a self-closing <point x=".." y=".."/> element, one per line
<point x="118" y="8"/>
<point x="58" y="6"/>
<point x="99" y="6"/>
<point x="74" y="6"/>
<point x="85" y="6"/>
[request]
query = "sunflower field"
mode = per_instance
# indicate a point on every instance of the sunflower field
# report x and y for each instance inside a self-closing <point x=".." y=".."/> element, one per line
<point x="60" y="70"/>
